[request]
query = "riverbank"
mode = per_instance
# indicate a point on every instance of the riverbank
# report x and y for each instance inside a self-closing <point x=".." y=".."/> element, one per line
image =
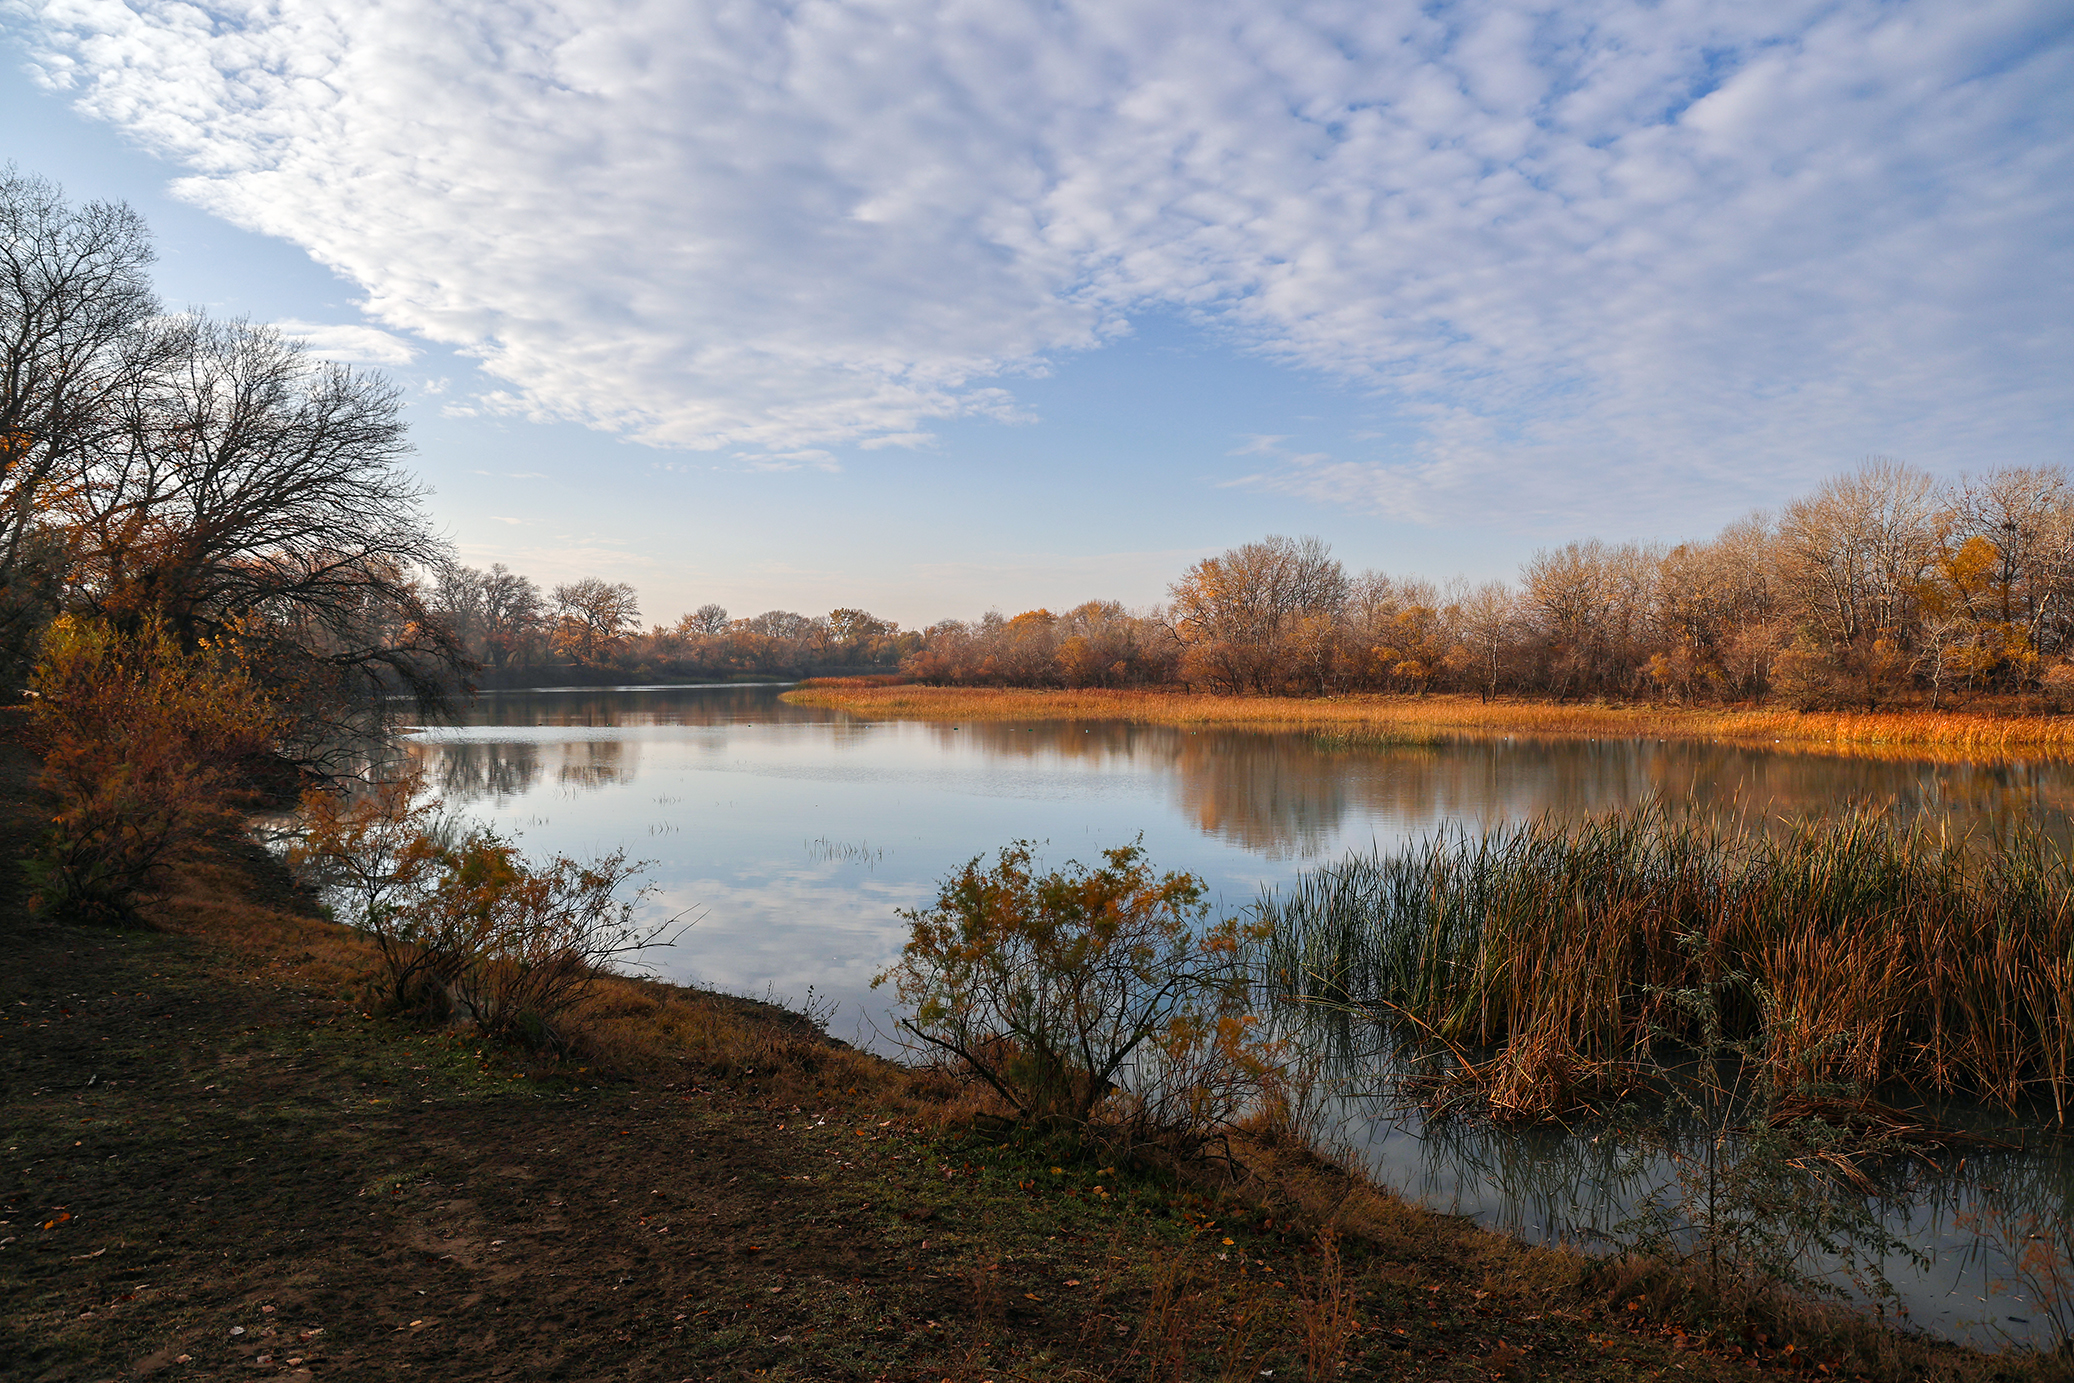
<point x="221" y="1163"/>
<point x="1408" y="719"/>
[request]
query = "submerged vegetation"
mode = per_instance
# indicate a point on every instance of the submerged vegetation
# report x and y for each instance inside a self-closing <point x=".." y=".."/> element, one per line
<point x="1551" y="958"/>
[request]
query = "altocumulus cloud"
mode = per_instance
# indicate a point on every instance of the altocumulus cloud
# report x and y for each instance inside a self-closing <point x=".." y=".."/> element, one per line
<point x="1679" y="243"/>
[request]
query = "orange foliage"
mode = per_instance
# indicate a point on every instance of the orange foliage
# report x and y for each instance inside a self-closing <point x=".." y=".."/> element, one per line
<point x="146" y="747"/>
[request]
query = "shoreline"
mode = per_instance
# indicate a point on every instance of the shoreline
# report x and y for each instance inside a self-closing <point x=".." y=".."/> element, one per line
<point x="1965" y="737"/>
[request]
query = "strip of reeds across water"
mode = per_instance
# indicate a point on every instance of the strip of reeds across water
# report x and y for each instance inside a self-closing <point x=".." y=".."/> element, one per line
<point x="1558" y="956"/>
<point x="1964" y="736"/>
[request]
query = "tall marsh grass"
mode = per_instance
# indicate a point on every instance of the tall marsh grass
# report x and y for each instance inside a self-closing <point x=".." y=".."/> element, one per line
<point x="1557" y="957"/>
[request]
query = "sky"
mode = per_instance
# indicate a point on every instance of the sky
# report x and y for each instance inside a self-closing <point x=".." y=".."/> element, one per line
<point x="935" y="307"/>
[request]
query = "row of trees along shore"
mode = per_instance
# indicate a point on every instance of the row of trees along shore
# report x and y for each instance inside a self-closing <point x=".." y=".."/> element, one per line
<point x="1883" y="586"/>
<point x="515" y="633"/>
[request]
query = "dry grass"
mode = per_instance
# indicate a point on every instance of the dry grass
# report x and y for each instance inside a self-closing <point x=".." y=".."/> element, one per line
<point x="1852" y="950"/>
<point x="862" y="681"/>
<point x="235" y="897"/>
<point x="1967" y="736"/>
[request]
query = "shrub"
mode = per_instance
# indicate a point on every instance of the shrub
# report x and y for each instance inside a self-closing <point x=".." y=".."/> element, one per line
<point x="147" y="748"/>
<point x="466" y="922"/>
<point x="1086" y="991"/>
<point x="373" y="855"/>
<point x="518" y="946"/>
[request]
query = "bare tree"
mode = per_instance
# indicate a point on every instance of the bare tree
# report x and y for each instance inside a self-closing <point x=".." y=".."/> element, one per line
<point x="1856" y="553"/>
<point x="73" y="293"/>
<point x="1237" y="614"/>
<point x="514" y="614"/>
<point x="592" y="615"/>
<point x="708" y="619"/>
<point x="250" y="493"/>
<point x="1488" y="617"/>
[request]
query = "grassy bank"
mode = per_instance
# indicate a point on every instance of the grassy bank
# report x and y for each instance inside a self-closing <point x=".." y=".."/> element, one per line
<point x="1909" y="734"/>
<point x="221" y="1162"/>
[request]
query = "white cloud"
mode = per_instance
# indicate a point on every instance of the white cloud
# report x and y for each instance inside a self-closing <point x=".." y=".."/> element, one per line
<point x="1602" y="249"/>
<point x="812" y="458"/>
<point x="359" y="345"/>
<point x="897" y="439"/>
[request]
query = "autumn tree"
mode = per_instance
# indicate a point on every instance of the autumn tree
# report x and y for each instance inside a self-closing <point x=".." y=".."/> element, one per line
<point x="708" y="619"/>
<point x="514" y="615"/>
<point x="148" y="745"/>
<point x="591" y="616"/>
<point x="74" y="295"/>
<point x="1236" y="614"/>
<point x="251" y="494"/>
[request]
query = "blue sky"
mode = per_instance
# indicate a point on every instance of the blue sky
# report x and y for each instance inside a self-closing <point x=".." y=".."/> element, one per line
<point x="931" y="307"/>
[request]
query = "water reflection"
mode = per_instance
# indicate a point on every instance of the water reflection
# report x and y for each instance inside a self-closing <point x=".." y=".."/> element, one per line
<point x="1287" y="796"/>
<point x="470" y="772"/>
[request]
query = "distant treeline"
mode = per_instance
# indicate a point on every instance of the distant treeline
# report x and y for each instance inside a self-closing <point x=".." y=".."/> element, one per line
<point x="1883" y="585"/>
<point x="589" y="631"/>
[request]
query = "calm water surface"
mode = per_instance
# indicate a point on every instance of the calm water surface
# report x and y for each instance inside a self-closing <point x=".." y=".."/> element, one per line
<point x="794" y="834"/>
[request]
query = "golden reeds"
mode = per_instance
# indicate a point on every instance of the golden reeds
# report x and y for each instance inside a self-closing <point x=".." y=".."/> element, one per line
<point x="1910" y="734"/>
<point x="1851" y="952"/>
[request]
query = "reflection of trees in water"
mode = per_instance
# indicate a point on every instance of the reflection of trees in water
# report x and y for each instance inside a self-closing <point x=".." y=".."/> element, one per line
<point x="675" y="706"/>
<point x="472" y="770"/>
<point x="469" y="772"/>
<point x="588" y="764"/>
<point x="1284" y="795"/>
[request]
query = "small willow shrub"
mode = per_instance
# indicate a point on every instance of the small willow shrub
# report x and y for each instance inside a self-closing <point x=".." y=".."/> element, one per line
<point x="463" y="920"/>
<point x="1083" y="996"/>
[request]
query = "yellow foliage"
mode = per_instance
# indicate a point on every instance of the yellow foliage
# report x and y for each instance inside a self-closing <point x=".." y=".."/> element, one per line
<point x="146" y="746"/>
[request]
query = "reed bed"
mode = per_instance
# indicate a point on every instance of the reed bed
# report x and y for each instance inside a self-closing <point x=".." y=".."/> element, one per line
<point x="1557" y="958"/>
<point x="1910" y="734"/>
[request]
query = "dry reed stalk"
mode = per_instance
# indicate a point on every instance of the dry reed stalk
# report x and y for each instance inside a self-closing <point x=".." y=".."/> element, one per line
<point x="1832" y="1000"/>
<point x="1325" y="1312"/>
